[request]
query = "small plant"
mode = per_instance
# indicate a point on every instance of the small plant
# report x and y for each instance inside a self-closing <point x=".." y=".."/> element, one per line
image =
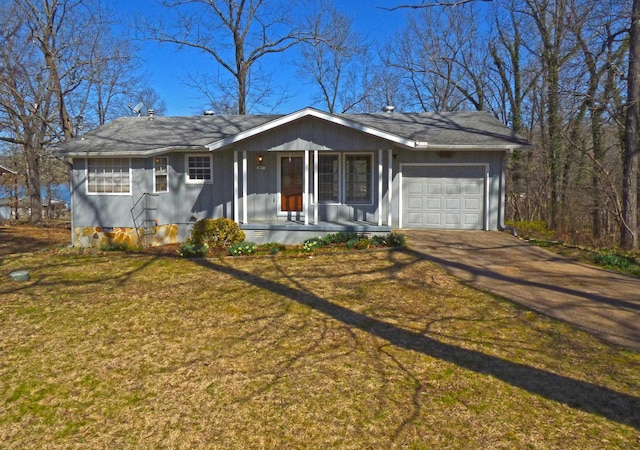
<point x="312" y="244"/>
<point x="610" y="259"/>
<point x="216" y="233"/>
<point x="396" y="240"/>
<point x="243" y="248"/>
<point x="189" y="250"/>
<point x="362" y="244"/>
<point x="117" y="247"/>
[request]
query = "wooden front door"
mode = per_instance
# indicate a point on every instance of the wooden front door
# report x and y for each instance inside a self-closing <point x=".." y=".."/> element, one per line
<point x="291" y="183"/>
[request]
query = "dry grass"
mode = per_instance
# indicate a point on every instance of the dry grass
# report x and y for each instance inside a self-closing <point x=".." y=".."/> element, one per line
<point x="373" y="349"/>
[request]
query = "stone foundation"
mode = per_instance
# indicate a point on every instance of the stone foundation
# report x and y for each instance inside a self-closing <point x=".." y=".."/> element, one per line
<point x="97" y="236"/>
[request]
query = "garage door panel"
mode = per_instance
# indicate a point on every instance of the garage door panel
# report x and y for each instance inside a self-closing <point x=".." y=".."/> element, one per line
<point x="444" y="197"/>
<point x="453" y="188"/>
<point x="415" y="188"/>
<point x="452" y="203"/>
<point x="415" y="203"/>
<point x="452" y="219"/>
<point x="434" y="219"/>
<point x="434" y="203"/>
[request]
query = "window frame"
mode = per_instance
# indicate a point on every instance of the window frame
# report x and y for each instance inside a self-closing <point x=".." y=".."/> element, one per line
<point x="338" y="174"/>
<point x="88" y="175"/>
<point x="187" y="170"/>
<point x="345" y="194"/>
<point x="155" y="174"/>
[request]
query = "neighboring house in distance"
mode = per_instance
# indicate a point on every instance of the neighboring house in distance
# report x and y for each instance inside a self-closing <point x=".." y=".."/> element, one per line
<point x="286" y="178"/>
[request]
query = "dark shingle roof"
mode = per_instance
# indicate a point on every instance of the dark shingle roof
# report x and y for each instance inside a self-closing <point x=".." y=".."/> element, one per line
<point x="139" y="135"/>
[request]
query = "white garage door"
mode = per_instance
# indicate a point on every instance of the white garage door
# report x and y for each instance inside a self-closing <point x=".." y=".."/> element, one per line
<point x="443" y="197"/>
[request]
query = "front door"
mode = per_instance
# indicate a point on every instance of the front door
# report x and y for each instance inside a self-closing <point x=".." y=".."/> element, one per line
<point x="291" y="183"/>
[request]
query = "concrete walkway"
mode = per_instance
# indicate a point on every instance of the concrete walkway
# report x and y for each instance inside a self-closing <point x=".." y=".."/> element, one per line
<point x="599" y="301"/>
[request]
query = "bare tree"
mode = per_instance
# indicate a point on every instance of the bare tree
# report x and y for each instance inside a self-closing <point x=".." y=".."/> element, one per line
<point x="441" y="52"/>
<point x="54" y="62"/>
<point x="337" y="60"/>
<point x="629" y="228"/>
<point x="236" y="34"/>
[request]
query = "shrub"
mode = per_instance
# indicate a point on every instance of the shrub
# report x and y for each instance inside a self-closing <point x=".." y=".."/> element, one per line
<point x="189" y="250"/>
<point x="242" y="248"/>
<point x="216" y="233"/>
<point x="532" y="229"/>
<point x="312" y="244"/>
<point x="390" y="240"/>
<point x="339" y="238"/>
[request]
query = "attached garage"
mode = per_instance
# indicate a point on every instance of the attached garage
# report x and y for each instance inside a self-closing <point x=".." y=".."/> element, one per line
<point x="444" y="196"/>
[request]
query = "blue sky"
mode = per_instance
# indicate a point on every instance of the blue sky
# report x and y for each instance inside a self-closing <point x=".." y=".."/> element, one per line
<point x="165" y="65"/>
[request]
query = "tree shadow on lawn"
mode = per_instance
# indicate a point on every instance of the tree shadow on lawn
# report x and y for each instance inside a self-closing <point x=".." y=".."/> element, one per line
<point x="588" y="397"/>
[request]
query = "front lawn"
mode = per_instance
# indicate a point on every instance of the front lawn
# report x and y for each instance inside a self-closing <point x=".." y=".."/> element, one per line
<point x="370" y="349"/>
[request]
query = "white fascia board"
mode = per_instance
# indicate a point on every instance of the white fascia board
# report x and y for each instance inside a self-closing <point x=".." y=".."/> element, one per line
<point x="6" y="169"/>
<point x="134" y="153"/>
<point x="469" y="147"/>
<point x="310" y="112"/>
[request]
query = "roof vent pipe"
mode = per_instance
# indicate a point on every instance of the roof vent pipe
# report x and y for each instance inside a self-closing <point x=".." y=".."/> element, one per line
<point x="389" y="109"/>
<point x="150" y="112"/>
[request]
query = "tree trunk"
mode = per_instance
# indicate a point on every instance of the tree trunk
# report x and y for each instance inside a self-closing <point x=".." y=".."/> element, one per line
<point x="629" y="228"/>
<point x="33" y="187"/>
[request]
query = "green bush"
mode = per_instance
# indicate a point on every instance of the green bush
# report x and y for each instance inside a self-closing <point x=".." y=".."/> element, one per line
<point x="532" y="229"/>
<point x="339" y="238"/>
<point x="189" y="250"/>
<point x="216" y="233"/>
<point x="242" y="248"/>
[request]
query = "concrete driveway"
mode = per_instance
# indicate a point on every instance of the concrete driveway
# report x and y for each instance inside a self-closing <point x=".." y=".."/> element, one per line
<point x="601" y="302"/>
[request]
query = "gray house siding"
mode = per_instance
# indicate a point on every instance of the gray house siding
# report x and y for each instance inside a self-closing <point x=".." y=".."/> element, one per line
<point x="460" y="153"/>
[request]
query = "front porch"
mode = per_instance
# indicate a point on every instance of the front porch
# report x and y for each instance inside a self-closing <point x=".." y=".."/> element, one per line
<point x="296" y="232"/>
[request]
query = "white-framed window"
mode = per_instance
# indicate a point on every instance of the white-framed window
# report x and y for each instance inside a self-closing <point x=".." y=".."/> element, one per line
<point x="199" y="169"/>
<point x="109" y="176"/>
<point x="328" y="178"/>
<point x="358" y="178"/>
<point x="160" y="174"/>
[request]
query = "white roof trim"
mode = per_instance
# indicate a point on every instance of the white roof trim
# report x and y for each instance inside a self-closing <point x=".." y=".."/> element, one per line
<point x="6" y="169"/>
<point x="310" y="112"/>
<point x="135" y="153"/>
<point x="453" y="147"/>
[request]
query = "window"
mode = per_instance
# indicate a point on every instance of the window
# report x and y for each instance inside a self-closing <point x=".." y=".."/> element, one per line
<point x="108" y="176"/>
<point x="328" y="178"/>
<point x="160" y="174"/>
<point x="358" y="178"/>
<point x="199" y="169"/>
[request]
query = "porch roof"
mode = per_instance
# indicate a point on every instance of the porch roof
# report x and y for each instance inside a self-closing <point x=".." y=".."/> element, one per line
<point x="143" y="136"/>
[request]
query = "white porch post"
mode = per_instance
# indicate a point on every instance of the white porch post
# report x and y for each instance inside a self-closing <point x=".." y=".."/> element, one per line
<point x="380" y="187"/>
<point x="244" y="186"/>
<point x="305" y="194"/>
<point x="400" y="197"/>
<point x="236" y="204"/>
<point x="390" y="189"/>
<point x="315" y="187"/>
<point x="487" y="179"/>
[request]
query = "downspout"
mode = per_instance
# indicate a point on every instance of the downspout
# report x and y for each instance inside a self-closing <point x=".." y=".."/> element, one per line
<point x="501" y="224"/>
